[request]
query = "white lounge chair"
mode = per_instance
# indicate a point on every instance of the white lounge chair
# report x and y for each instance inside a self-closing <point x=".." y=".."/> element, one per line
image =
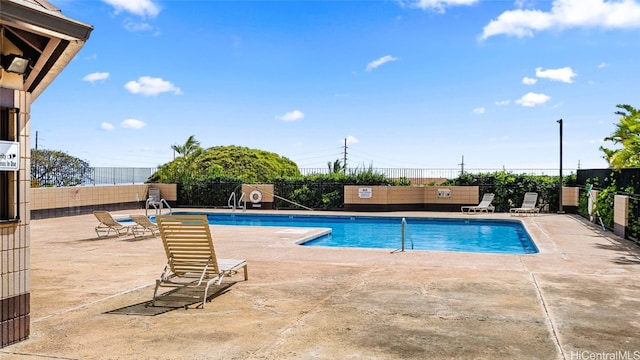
<point x="143" y="224"/>
<point x="191" y="257"/>
<point x="108" y="224"/>
<point x="529" y="205"/>
<point x="483" y="206"/>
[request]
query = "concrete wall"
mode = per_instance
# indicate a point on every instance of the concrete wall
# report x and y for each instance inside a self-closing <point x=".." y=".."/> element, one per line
<point x="258" y="196"/>
<point x="393" y="198"/>
<point x="620" y="215"/>
<point x="435" y="198"/>
<point x="76" y="200"/>
<point x="570" y="196"/>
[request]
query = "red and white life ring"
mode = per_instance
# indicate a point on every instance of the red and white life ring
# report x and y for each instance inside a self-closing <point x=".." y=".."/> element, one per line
<point x="255" y="196"/>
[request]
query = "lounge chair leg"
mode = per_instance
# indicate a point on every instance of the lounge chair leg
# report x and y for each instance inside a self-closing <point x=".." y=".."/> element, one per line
<point x="155" y="292"/>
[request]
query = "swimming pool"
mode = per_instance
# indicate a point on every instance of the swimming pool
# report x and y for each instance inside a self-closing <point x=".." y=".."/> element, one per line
<point x="385" y="232"/>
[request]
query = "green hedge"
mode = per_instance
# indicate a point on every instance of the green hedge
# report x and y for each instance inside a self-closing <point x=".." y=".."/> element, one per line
<point x="326" y="191"/>
<point x="509" y="188"/>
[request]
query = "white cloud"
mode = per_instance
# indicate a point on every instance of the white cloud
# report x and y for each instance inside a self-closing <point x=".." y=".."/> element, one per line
<point x="521" y="4"/>
<point x="144" y="8"/>
<point x="96" y="76"/>
<point x="134" y="26"/>
<point x="133" y="124"/>
<point x="151" y="86"/>
<point x="294" y="115"/>
<point x="377" y="63"/>
<point x="566" y="14"/>
<point x="437" y="5"/>
<point x="603" y="65"/>
<point x="106" y="126"/>
<point x="532" y="99"/>
<point x="479" y="110"/>
<point x="503" y="102"/>
<point x="565" y="74"/>
<point x="529" y="81"/>
<point x="351" y="140"/>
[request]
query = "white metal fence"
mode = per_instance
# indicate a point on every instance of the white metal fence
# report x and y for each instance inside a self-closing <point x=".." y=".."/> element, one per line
<point x="124" y="175"/>
<point x="426" y="176"/>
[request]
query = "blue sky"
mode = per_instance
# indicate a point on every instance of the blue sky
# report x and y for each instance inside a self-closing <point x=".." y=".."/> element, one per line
<point x="415" y="84"/>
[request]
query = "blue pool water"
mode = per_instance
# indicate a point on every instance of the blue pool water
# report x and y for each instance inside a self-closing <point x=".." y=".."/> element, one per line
<point x="385" y="232"/>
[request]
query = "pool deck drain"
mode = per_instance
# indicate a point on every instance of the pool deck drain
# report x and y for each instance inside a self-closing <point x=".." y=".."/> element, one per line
<point x="578" y="298"/>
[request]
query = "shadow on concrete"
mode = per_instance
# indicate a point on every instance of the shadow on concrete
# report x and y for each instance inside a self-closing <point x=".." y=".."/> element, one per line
<point x="171" y="300"/>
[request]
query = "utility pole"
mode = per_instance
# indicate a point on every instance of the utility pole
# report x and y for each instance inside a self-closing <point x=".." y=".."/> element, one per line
<point x="344" y="161"/>
<point x="462" y="166"/>
<point x="36" y="140"/>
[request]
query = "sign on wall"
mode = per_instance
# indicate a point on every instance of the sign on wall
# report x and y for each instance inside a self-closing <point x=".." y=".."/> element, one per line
<point x="9" y="159"/>
<point x="364" y="193"/>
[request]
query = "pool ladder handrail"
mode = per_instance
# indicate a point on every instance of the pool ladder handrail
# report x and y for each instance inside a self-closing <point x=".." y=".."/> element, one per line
<point x="232" y="202"/>
<point x="162" y="203"/>
<point x="403" y="225"/>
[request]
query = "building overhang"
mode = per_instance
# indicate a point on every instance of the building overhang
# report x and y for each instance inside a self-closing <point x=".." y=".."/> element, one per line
<point x="40" y="32"/>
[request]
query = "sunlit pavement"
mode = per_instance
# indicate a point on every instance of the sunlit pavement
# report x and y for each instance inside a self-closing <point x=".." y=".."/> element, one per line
<point x="578" y="298"/>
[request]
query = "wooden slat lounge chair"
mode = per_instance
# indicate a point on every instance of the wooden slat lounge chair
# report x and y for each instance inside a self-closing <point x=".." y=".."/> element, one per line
<point x="529" y="205"/>
<point x="192" y="260"/>
<point x="143" y="224"/>
<point x="483" y="206"/>
<point x="108" y="224"/>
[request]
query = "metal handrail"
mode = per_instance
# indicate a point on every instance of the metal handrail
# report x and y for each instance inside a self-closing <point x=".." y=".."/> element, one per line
<point x="242" y="204"/>
<point x="232" y="200"/>
<point x="167" y="205"/>
<point x="403" y="225"/>
<point x="153" y="203"/>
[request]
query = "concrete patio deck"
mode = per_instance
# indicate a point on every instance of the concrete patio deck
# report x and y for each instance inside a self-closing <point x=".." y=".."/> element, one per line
<point x="579" y="298"/>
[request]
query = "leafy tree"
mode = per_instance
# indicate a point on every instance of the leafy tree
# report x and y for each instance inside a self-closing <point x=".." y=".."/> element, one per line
<point x="249" y="165"/>
<point x="627" y="135"/>
<point x="57" y="168"/>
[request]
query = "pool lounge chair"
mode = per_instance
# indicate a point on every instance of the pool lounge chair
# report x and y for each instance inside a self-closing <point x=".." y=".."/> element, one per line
<point x="528" y="205"/>
<point x="108" y="224"/>
<point x="191" y="257"/>
<point x="484" y="205"/>
<point x="143" y="224"/>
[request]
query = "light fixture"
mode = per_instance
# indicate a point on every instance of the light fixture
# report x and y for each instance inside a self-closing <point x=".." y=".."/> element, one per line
<point x="560" y="211"/>
<point x="15" y="64"/>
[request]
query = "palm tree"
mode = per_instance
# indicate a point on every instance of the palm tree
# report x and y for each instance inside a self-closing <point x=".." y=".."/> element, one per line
<point x="186" y="165"/>
<point x="336" y="167"/>
<point x="188" y="148"/>
<point x="627" y="135"/>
